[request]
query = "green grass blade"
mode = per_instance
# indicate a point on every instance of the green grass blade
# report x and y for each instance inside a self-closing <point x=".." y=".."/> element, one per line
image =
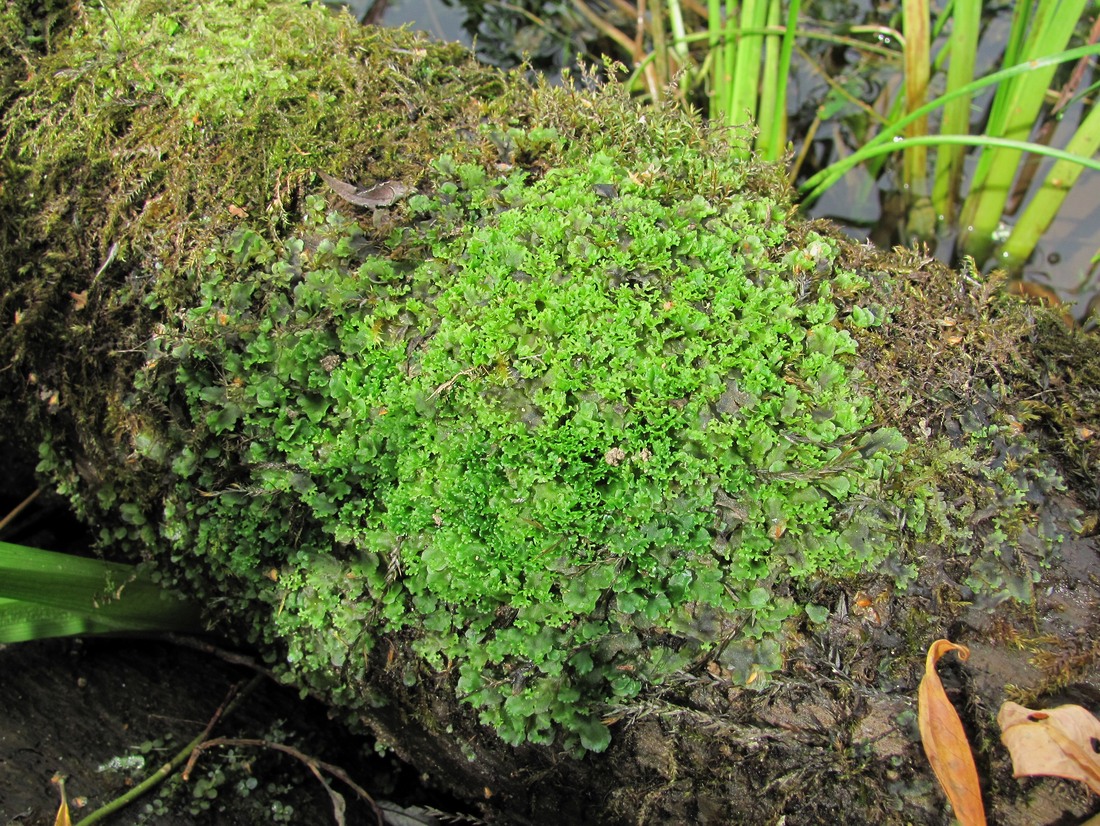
<point x="1017" y="105"/>
<point x="887" y="140"/>
<point x="1042" y="208"/>
<point x="962" y="49"/>
<point x="983" y="141"/>
<point x="24" y="621"/>
<point x="83" y="596"/>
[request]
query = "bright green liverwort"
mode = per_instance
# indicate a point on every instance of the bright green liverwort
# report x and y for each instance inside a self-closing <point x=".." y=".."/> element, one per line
<point x="569" y="452"/>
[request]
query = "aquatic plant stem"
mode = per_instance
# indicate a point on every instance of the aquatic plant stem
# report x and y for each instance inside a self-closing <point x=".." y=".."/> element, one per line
<point x="917" y="66"/>
<point x="773" y="106"/>
<point x="889" y="137"/>
<point x="1016" y="108"/>
<point x="745" y="93"/>
<point x="716" y="44"/>
<point x="1040" y="212"/>
<point x="962" y="51"/>
<point x="979" y="140"/>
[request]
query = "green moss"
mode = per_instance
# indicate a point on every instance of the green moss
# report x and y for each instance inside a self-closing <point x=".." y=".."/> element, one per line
<point x="587" y="413"/>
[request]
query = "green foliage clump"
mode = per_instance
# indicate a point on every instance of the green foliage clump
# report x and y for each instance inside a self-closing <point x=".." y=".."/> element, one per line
<point x="563" y="435"/>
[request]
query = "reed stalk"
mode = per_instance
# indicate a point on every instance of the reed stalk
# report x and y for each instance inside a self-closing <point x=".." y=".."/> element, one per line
<point x="1036" y="32"/>
<point x="746" y="66"/>
<point x="917" y="67"/>
<point x="890" y="136"/>
<point x="1044" y="206"/>
<point x="962" y="48"/>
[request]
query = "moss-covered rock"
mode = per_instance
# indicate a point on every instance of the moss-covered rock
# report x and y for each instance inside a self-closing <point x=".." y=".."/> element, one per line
<point x="573" y="426"/>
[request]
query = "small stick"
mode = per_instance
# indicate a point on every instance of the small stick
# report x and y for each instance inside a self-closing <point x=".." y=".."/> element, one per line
<point x="311" y="762"/>
<point x="221" y="653"/>
<point x="213" y="721"/>
<point x="164" y="771"/>
<point x="19" y="509"/>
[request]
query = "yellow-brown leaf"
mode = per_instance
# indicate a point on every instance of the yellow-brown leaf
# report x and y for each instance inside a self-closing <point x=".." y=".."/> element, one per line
<point x="945" y="741"/>
<point x="1057" y="742"/>
<point x="62" y="818"/>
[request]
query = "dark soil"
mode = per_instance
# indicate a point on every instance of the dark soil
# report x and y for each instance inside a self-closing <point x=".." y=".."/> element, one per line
<point x="72" y="707"/>
<point x="105" y="713"/>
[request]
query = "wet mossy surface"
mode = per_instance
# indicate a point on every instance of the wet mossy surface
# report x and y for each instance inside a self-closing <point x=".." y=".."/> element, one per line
<point x="584" y="444"/>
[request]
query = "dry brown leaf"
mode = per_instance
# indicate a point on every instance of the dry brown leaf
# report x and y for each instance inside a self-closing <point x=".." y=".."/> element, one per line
<point x="1059" y="742"/>
<point x="384" y="194"/>
<point x="945" y="742"/>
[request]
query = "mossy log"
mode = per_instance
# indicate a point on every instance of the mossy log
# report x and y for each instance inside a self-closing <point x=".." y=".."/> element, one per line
<point x="538" y="434"/>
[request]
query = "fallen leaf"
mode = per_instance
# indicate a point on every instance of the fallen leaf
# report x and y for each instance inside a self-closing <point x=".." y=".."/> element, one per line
<point x="237" y="212"/>
<point x="945" y="742"/>
<point x="1057" y="742"/>
<point x="384" y="194"/>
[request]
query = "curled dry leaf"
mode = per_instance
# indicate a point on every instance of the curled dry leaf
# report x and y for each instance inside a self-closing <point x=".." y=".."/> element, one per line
<point x="945" y="742"/>
<point x="62" y="818"/>
<point x="384" y="194"/>
<point x="1059" y="742"/>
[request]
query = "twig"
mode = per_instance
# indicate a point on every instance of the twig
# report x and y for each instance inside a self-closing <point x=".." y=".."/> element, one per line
<point x="447" y="385"/>
<point x="221" y="653"/>
<point x="213" y="721"/>
<point x="19" y="509"/>
<point x="164" y="771"/>
<point x="312" y="763"/>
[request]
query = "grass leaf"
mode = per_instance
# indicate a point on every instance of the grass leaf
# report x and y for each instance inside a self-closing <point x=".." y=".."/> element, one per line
<point x="48" y="594"/>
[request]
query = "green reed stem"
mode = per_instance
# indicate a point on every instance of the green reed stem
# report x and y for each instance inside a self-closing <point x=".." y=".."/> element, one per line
<point x="773" y="135"/>
<point x="1041" y="210"/>
<point x="746" y="72"/>
<point x="1013" y="116"/>
<point x="717" y="49"/>
<point x="888" y="139"/>
<point x="917" y="61"/>
<point x="962" y="48"/>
